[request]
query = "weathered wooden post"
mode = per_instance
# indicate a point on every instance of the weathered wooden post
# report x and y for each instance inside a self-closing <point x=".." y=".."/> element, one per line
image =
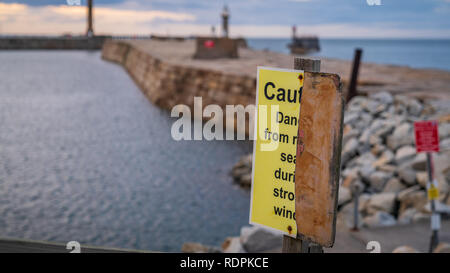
<point x="318" y="160"/>
<point x="352" y="91"/>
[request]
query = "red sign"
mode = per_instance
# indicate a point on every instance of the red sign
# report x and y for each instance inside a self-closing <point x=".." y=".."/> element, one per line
<point x="427" y="136"/>
<point x="209" y="44"/>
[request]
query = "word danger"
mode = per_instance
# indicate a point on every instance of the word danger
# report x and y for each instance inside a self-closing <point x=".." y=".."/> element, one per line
<point x="285" y="119"/>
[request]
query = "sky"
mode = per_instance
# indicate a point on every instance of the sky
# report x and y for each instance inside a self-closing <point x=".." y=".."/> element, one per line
<point x="248" y="18"/>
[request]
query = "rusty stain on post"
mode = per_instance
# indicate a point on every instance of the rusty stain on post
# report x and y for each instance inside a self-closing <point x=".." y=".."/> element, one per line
<point x="318" y="158"/>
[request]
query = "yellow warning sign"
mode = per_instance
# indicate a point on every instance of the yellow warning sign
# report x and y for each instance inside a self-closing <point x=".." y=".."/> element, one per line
<point x="433" y="193"/>
<point x="279" y="92"/>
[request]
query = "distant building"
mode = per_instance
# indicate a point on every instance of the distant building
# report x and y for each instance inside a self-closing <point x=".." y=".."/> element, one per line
<point x="304" y="44"/>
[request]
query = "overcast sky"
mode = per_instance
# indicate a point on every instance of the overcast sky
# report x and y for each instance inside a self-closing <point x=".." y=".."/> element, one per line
<point x="249" y="18"/>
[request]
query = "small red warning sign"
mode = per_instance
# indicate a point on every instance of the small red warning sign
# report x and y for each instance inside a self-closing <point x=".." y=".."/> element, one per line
<point x="427" y="136"/>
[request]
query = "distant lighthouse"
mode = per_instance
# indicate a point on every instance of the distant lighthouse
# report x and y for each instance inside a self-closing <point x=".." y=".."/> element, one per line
<point x="225" y="17"/>
<point x="90" y="29"/>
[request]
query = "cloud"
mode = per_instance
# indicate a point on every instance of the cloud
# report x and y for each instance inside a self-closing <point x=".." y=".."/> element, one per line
<point x="130" y="17"/>
<point x="321" y="30"/>
<point x="24" y="19"/>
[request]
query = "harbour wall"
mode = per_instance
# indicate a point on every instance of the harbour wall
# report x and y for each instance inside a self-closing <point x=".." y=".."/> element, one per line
<point x="44" y="43"/>
<point x="167" y="84"/>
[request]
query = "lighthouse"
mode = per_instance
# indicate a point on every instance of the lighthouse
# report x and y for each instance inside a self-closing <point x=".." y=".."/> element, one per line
<point x="225" y="17"/>
<point x="90" y="30"/>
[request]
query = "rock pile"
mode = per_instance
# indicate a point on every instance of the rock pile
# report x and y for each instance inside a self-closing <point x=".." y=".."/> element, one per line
<point x="242" y="171"/>
<point x="253" y="240"/>
<point x="379" y="158"/>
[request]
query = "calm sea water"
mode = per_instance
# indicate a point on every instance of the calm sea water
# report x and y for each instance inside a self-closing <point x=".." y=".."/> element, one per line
<point x="84" y="156"/>
<point x="414" y="53"/>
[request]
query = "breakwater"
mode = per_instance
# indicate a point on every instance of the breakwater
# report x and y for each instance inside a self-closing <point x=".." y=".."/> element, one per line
<point x="167" y="81"/>
<point x="40" y="43"/>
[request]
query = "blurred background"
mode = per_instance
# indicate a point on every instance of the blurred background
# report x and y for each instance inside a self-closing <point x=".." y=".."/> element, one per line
<point x="86" y="151"/>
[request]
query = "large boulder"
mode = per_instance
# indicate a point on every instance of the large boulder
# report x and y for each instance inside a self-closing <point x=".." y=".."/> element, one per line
<point x="349" y="175"/>
<point x="442" y="248"/>
<point x="232" y="245"/>
<point x="356" y="104"/>
<point x="413" y="106"/>
<point x="347" y="215"/>
<point x="362" y="121"/>
<point x="413" y="197"/>
<point x="404" y="154"/>
<point x="382" y="97"/>
<point x="257" y="239"/>
<point x="349" y="150"/>
<point x="190" y="247"/>
<point x="348" y="133"/>
<point x="442" y="171"/>
<point x="351" y="117"/>
<point x="382" y="202"/>
<point x="365" y="159"/>
<point x="420" y="162"/>
<point x="242" y="171"/>
<point x="402" y="135"/>
<point x="394" y="185"/>
<point x="365" y="171"/>
<point x="444" y="130"/>
<point x="405" y="249"/>
<point x="345" y="195"/>
<point x="245" y="180"/>
<point x="385" y="158"/>
<point x="422" y="179"/>
<point x="407" y="174"/>
<point x="407" y="216"/>
<point x="379" y="219"/>
<point x="378" y="180"/>
<point x="378" y="149"/>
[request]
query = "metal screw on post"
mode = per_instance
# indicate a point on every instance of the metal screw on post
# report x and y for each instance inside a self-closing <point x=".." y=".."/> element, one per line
<point x="435" y="217"/>
<point x="297" y="245"/>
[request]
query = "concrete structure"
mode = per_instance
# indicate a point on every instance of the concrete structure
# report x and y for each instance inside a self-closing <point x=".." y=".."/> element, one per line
<point x="214" y="48"/>
<point x="13" y="245"/>
<point x="31" y="43"/>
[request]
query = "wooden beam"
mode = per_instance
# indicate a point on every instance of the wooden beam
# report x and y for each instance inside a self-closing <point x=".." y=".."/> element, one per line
<point x="297" y="245"/>
<point x="318" y="158"/>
